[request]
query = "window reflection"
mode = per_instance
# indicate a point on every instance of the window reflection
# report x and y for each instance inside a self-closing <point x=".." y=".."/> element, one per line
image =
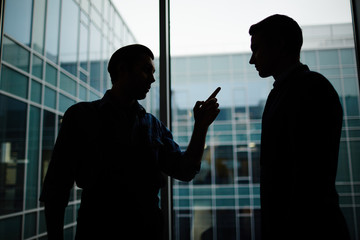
<point x="18" y="16"/>
<point x="224" y="165"/>
<point x="39" y="22"/>
<point x="52" y="30"/>
<point x="69" y="36"/>
<point x="95" y="57"/>
<point x="15" y="55"/>
<point x="12" y="154"/>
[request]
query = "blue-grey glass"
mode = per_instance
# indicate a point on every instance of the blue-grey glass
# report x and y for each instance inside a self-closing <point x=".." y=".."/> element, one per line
<point x="351" y="86"/>
<point x="69" y="214"/>
<point x="36" y="91"/>
<point x="12" y="142"/>
<point x="220" y="63"/>
<point x="15" y="54"/>
<point x="65" y="102"/>
<point x="69" y="36"/>
<point x="37" y="66"/>
<point x="83" y="47"/>
<point x="96" y="17"/>
<point x="51" y="75"/>
<point x="347" y="56"/>
<point x="352" y="106"/>
<point x="95" y="57"/>
<point x="13" y="82"/>
<point x="82" y="93"/>
<point x="42" y="223"/>
<point x="309" y="58"/>
<point x="52" y="30"/>
<point x="33" y="159"/>
<point x="67" y="84"/>
<point x="11" y="228"/>
<point x="50" y="98"/>
<point x="83" y="77"/>
<point x="30" y="225"/>
<point x="328" y="57"/>
<point x="355" y="154"/>
<point x="98" y="4"/>
<point x="198" y="64"/>
<point x="224" y="164"/>
<point x="93" y="96"/>
<point x="39" y="25"/>
<point x="17" y="20"/>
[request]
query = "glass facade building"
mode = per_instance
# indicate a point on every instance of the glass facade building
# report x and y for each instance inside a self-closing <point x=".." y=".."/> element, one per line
<point x="223" y="201"/>
<point x="54" y="53"/>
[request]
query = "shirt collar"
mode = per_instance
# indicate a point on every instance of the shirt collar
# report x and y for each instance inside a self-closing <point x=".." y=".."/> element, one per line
<point x="285" y="74"/>
<point x="107" y="100"/>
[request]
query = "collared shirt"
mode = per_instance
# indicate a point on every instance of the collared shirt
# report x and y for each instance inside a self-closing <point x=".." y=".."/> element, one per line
<point x="103" y="148"/>
<point x="286" y="73"/>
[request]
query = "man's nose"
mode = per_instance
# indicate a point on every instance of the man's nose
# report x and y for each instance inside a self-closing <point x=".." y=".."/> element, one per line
<point x="152" y="78"/>
<point x="251" y="61"/>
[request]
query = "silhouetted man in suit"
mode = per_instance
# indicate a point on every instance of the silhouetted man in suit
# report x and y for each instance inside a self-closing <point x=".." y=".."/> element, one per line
<point x="117" y="152"/>
<point x="301" y="128"/>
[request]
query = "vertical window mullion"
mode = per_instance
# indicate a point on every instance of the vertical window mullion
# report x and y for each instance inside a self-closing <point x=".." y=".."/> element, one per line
<point x="165" y="106"/>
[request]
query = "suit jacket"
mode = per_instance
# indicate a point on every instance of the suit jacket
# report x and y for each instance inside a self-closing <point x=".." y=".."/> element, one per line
<point x="301" y="129"/>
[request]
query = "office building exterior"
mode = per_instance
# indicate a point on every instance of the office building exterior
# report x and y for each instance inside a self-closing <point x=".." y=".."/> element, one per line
<point x="223" y="201"/>
<point x="54" y="53"/>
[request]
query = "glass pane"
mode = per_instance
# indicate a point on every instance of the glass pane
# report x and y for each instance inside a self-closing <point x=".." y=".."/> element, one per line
<point x="52" y="30"/>
<point x="30" y="225"/>
<point x="67" y="84"/>
<point x="15" y="55"/>
<point x="17" y="20"/>
<point x="65" y="102"/>
<point x="10" y="228"/>
<point x="95" y="57"/>
<point x="51" y="75"/>
<point x="208" y="52"/>
<point x="37" y="67"/>
<point x="36" y="91"/>
<point x="13" y="82"/>
<point x="33" y="159"/>
<point x="12" y="158"/>
<point x="69" y="36"/>
<point x="39" y="22"/>
<point x="50" y="98"/>
<point x="83" y="47"/>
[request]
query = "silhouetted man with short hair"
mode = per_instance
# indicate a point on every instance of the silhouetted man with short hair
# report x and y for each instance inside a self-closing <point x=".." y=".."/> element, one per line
<point x="301" y="128"/>
<point x="117" y="152"/>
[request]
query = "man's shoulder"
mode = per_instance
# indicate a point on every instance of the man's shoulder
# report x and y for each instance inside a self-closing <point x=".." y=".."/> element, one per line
<point x="313" y="80"/>
<point x="83" y="108"/>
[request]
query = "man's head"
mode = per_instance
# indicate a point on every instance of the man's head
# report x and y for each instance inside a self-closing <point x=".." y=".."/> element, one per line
<point x="275" y="42"/>
<point x="131" y="68"/>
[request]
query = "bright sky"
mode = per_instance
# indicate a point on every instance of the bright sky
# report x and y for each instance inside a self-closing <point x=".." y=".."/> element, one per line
<point x="209" y="26"/>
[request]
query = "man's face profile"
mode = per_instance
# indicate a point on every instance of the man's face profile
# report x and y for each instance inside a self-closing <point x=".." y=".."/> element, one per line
<point x="264" y="56"/>
<point x="141" y="77"/>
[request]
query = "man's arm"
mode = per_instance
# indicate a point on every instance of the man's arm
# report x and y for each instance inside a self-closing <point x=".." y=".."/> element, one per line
<point x="59" y="178"/>
<point x="184" y="165"/>
<point x="205" y="112"/>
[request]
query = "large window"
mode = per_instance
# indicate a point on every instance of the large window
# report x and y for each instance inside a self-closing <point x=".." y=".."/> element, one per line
<point x="54" y="53"/>
<point x="210" y="47"/>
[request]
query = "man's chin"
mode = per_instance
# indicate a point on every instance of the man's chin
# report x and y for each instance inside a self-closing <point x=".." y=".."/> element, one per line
<point x="264" y="74"/>
<point x="141" y="96"/>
